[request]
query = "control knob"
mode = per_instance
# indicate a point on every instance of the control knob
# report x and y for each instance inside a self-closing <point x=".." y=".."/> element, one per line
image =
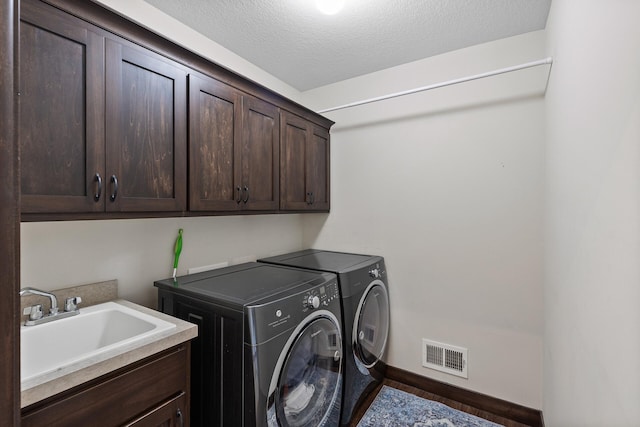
<point x="313" y="301"/>
<point x="375" y="273"/>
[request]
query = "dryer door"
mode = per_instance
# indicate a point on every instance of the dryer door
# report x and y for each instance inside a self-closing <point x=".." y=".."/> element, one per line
<point x="371" y="325"/>
<point x="309" y="381"/>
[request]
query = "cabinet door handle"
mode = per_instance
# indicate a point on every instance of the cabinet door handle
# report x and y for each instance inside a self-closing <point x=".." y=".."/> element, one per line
<point x="180" y="418"/>
<point x="246" y="191"/>
<point x="310" y="198"/>
<point x="114" y="193"/>
<point x="98" y="179"/>
<point x="239" y="190"/>
<point x="194" y="318"/>
<point x="313" y="198"/>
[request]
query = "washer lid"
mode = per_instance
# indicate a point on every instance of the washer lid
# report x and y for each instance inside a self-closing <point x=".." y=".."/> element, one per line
<point x="242" y="284"/>
<point x="335" y="262"/>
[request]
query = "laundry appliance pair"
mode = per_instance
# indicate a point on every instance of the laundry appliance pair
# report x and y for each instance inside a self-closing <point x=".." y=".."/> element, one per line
<point x="281" y="339"/>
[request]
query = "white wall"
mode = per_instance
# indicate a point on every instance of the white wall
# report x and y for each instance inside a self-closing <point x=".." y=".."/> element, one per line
<point x="137" y="252"/>
<point x="592" y="277"/>
<point x="448" y="186"/>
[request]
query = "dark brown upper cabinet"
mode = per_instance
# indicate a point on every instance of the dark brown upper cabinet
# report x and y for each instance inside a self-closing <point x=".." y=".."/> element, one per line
<point x="146" y="131"/>
<point x="78" y="156"/>
<point x="234" y="141"/>
<point x="304" y="160"/>
<point x="61" y="113"/>
<point x="112" y="127"/>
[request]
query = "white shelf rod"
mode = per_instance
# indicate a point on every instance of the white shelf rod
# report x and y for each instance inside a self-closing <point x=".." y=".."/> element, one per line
<point x="545" y="61"/>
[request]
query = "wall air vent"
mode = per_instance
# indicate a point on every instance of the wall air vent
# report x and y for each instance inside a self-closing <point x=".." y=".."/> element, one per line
<point x="444" y="358"/>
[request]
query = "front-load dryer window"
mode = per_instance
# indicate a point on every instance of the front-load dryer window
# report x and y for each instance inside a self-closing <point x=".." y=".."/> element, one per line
<point x="310" y="381"/>
<point x="371" y="328"/>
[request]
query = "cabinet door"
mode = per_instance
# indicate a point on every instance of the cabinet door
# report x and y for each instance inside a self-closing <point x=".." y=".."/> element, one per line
<point x="304" y="165"/>
<point x="214" y="126"/>
<point x="260" y="155"/>
<point x="146" y="134"/>
<point x="317" y="179"/>
<point x="61" y="112"/>
<point x="172" y="413"/>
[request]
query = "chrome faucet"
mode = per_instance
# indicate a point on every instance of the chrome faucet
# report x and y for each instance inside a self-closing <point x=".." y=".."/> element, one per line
<point x="35" y="312"/>
<point x="54" y="301"/>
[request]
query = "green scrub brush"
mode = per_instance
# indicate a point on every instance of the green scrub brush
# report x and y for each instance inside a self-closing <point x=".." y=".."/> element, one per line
<point x="176" y="252"/>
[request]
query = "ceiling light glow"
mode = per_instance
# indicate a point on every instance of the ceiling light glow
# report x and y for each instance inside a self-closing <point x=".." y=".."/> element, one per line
<point x="329" y="7"/>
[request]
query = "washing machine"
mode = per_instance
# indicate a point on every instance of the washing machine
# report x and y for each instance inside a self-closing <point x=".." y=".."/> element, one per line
<point x="269" y="348"/>
<point x="365" y="304"/>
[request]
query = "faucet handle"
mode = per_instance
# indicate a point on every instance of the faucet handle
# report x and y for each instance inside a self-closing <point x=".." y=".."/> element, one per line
<point x="34" y="312"/>
<point x="71" y="304"/>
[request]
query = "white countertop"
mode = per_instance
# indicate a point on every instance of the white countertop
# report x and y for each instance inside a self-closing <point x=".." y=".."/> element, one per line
<point x="51" y="383"/>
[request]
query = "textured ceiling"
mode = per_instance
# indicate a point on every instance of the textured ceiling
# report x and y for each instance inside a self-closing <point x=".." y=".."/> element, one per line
<point x="291" y="40"/>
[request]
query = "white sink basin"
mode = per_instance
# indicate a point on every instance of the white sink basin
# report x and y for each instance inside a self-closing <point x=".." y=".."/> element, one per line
<point x="97" y="329"/>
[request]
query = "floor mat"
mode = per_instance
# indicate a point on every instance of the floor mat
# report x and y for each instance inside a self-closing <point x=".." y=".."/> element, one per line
<point x="396" y="408"/>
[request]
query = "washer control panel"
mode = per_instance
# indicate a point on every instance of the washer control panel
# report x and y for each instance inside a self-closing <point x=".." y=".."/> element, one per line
<point x="320" y="296"/>
<point x="313" y="301"/>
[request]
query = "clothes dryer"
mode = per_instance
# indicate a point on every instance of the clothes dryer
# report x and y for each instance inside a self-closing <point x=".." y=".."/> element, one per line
<point x="365" y="304"/>
<point x="269" y="347"/>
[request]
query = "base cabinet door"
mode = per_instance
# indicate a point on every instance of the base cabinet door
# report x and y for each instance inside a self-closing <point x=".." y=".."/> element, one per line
<point x="304" y="164"/>
<point x="169" y="414"/>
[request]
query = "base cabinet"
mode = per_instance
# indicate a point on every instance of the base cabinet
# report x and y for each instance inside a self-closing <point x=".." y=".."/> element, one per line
<point x="152" y="392"/>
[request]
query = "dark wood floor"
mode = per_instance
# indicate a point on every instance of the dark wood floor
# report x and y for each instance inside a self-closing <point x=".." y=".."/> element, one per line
<point x="425" y="394"/>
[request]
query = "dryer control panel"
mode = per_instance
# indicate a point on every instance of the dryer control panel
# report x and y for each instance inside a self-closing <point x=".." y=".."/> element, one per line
<point x="320" y="296"/>
<point x="376" y="272"/>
